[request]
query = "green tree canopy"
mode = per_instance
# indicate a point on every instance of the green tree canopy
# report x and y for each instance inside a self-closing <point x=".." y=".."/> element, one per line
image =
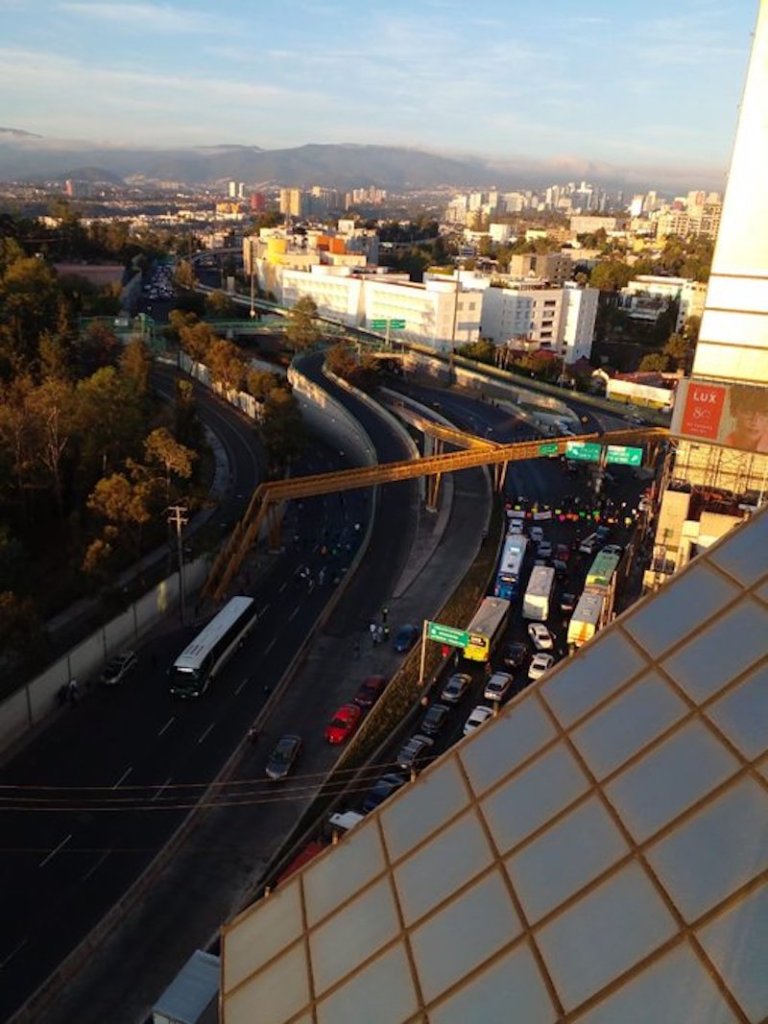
<point x="302" y="331"/>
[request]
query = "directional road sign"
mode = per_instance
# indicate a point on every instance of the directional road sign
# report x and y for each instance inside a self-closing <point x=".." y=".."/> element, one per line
<point x="379" y="325"/>
<point x="620" y="455"/>
<point x="397" y="325"/>
<point x="548" y="449"/>
<point x="582" y="451"/>
<point x="447" y="634"/>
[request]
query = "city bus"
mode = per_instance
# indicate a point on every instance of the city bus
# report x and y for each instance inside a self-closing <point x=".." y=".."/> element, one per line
<point x="602" y="571"/>
<point x="486" y="628"/>
<point x="510" y="567"/>
<point x="212" y="648"/>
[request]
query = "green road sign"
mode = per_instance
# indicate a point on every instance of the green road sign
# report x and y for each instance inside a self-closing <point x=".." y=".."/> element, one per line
<point x="378" y="325"/>
<point x="397" y="325"/>
<point x="548" y="449"/>
<point x="582" y="451"/>
<point x="447" y="634"/>
<point x="619" y="455"/>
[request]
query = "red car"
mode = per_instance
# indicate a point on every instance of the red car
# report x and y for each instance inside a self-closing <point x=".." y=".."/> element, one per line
<point x="343" y="723"/>
<point x="370" y="691"/>
<point x="562" y="552"/>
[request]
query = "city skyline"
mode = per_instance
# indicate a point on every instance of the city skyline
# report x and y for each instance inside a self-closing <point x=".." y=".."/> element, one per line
<point x="441" y="78"/>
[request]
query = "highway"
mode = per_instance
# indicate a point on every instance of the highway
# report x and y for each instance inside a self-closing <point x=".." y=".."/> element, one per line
<point x="65" y="865"/>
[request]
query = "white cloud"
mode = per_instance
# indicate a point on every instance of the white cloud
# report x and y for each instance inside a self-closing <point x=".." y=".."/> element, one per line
<point x="147" y="16"/>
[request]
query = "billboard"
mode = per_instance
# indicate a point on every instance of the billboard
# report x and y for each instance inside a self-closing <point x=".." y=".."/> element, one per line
<point x="733" y="415"/>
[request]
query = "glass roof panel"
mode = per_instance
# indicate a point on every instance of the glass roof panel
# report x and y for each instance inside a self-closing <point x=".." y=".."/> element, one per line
<point x="441" y="867"/>
<point x="330" y="880"/>
<point x="736" y="555"/>
<point x="532" y="796"/>
<point x="261" y="932"/>
<point x="435" y="796"/>
<point x="385" y="984"/>
<point x="722" y="651"/>
<point x="670" y="778"/>
<point x="625" y="725"/>
<point x="559" y="862"/>
<point x="742" y="714"/>
<point x="355" y="933"/>
<point x="512" y="981"/>
<point x="604" y="934"/>
<point x="282" y="989"/>
<point x="497" y="748"/>
<point x="590" y="675"/>
<point x="675" y="987"/>
<point x="723" y="846"/>
<point x="737" y="944"/>
<point x="679" y="608"/>
<point x="460" y="936"/>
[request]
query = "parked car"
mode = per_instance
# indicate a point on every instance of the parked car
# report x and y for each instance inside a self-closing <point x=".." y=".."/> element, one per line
<point x="541" y="637"/>
<point x="434" y="719"/>
<point x="544" y="549"/>
<point x="515" y="527"/>
<point x="515" y="655"/>
<point x="497" y="686"/>
<point x="382" y="789"/>
<point x="370" y="690"/>
<point x="118" y="667"/>
<point x="455" y="688"/>
<point x="283" y="757"/>
<point x="560" y="567"/>
<point x="562" y="552"/>
<point x="567" y="602"/>
<point x="415" y="752"/>
<point x="540" y="663"/>
<point x="613" y="549"/>
<point x="536" y="534"/>
<point x="477" y="717"/>
<point x="405" y="638"/>
<point x="343" y="723"/>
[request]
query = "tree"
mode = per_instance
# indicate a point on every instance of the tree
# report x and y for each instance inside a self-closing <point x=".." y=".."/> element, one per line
<point x="20" y="630"/>
<point x="97" y="348"/>
<point x="302" y="331"/>
<point x="106" y="437"/>
<point x="184" y="276"/>
<point x="220" y="304"/>
<point x="55" y="359"/>
<point x="127" y="504"/>
<point x="196" y="340"/>
<point x="482" y="351"/>
<point x="260" y="383"/>
<point x="52" y="407"/>
<point x="187" y="428"/>
<point x="162" y="449"/>
<point x="654" y="361"/>
<point x="136" y="363"/>
<point x="28" y="306"/>
<point x="282" y="428"/>
<point x="225" y="361"/>
<point x="361" y="370"/>
<point x="610" y="275"/>
<point x="676" y="350"/>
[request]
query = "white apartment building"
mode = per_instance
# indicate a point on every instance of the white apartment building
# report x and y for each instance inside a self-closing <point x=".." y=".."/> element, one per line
<point x="648" y="295"/>
<point x="560" y="319"/>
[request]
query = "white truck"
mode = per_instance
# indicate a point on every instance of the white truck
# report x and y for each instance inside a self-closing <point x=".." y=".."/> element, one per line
<point x="538" y="596"/>
<point x="587" y="618"/>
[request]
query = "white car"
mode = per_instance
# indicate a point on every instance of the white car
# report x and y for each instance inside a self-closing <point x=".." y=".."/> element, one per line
<point x="479" y="715"/>
<point x="544" y="549"/>
<point x="537" y="534"/>
<point x="541" y="637"/>
<point x="515" y="528"/>
<point x="497" y="686"/>
<point x="540" y="663"/>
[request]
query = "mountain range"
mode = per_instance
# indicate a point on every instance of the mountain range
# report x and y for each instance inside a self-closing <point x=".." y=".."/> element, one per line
<point x="25" y="156"/>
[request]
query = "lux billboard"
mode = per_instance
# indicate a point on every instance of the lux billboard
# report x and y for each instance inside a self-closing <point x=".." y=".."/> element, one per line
<point x="733" y="415"/>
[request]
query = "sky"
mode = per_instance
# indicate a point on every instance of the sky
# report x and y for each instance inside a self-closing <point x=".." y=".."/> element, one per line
<point x="618" y="82"/>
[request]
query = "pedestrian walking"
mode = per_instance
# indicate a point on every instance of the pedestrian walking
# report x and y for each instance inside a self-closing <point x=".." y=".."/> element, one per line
<point x="73" y="691"/>
<point x="372" y="631"/>
<point x="253" y="735"/>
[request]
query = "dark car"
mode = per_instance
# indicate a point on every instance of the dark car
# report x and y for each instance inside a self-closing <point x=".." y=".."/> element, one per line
<point x="567" y="602"/>
<point x="118" y="668"/>
<point x="283" y="757"/>
<point x="405" y="638"/>
<point x="455" y="688"/>
<point x="515" y="655"/>
<point x="561" y="568"/>
<point x="381" y="790"/>
<point x="370" y="690"/>
<point x="434" y="719"/>
<point x="415" y="752"/>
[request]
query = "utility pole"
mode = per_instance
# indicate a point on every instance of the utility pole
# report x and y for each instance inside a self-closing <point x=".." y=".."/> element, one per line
<point x="177" y="516"/>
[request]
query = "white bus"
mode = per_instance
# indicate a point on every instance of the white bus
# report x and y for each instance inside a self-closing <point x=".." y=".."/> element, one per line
<point x="486" y="628"/>
<point x="212" y="648"/>
<point x="510" y="567"/>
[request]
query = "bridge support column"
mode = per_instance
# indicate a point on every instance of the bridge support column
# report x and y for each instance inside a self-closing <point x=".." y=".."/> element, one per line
<point x="433" y="492"/>
<point x="500" y="475"/>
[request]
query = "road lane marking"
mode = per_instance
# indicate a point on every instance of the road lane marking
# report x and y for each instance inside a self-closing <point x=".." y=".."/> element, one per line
<point x="207" y="731"/>
<point x="270" y="645"/>
<point x="96" y="866"/>
<point x="243" y="684"/>
<point x="294" y="613"/>
<point x="122" y="778"/>
<point x="167" y="725"/>
<point x="264" y="610"/>
<point x="282" y="586"/>
<point x="13" y="953"/>
<point x="53" y="853"/>
<point x="164" y="786"/>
